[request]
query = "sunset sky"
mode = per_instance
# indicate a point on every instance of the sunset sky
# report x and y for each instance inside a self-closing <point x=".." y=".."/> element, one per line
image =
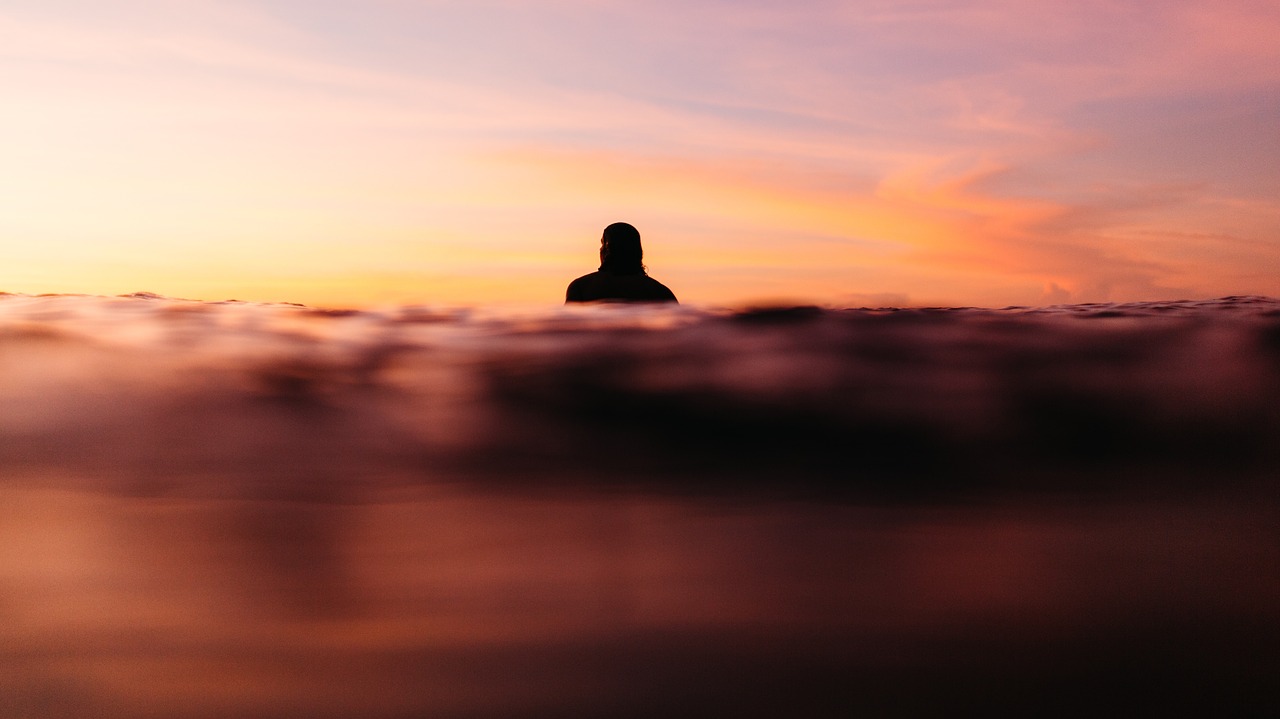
<point x="365" y="152"/>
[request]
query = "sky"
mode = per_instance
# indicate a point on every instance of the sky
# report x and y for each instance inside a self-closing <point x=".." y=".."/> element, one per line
<point x="846" y="153"/>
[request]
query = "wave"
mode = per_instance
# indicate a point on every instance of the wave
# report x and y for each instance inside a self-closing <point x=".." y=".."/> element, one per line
<point x="270" y="510"/>
<point x="868" y="400"/>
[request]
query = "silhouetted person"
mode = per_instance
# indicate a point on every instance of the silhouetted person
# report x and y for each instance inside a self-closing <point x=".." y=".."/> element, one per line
<point x="622" y="276"/>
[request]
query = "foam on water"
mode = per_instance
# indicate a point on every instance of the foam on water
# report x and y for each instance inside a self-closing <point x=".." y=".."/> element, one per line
<point x="235" y="509"/>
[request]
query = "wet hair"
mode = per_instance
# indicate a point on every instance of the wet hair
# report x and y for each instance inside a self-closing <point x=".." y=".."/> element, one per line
<point x="620" y="250"/>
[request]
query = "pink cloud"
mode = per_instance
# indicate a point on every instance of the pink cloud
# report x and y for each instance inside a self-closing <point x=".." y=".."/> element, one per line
<point x="999" y="149"/>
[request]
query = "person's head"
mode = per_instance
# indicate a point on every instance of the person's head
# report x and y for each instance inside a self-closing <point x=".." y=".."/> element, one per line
<point x="620" y="251"/>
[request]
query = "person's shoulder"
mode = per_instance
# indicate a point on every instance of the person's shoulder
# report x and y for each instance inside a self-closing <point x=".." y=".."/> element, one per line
<point x="584" y="281"/>
<point x="577" y="289"/>
<point x="661" y="290"/>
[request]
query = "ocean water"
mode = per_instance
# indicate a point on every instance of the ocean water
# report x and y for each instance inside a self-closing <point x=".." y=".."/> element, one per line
<point x="235" y="509"/>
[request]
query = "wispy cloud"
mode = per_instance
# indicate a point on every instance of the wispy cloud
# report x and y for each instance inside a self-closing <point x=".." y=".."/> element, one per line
<point x="983" y="152"/>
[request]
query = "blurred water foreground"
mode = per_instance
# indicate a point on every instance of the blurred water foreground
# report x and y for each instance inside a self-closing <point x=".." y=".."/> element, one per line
<point x="232" y="509"/>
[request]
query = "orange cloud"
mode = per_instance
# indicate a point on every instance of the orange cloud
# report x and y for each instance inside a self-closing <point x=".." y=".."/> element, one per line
<point x="922" y="220"/>
<point x="990" y="152"/>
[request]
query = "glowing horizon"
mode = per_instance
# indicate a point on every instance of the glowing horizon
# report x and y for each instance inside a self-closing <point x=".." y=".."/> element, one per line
<point x="875" y="152"/>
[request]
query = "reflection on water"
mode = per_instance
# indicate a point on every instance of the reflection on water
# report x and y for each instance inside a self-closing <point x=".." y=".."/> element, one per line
<point x="214" y="510"/>
<point x="447" y="601"/>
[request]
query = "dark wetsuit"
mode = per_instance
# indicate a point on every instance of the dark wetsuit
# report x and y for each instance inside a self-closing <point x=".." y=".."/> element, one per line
<point x="605" y="285"/>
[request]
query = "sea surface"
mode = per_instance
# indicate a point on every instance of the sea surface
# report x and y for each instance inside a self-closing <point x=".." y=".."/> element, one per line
<point x="218" y="509"/>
